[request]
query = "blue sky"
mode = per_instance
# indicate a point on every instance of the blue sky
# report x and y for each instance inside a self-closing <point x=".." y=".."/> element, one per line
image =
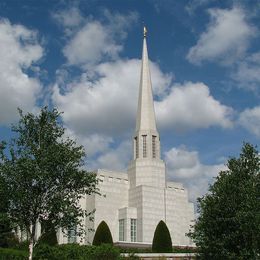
<point x="84" y="58"/>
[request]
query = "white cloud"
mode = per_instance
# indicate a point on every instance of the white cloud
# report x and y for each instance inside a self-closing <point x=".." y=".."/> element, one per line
<point x="226" y="37"/>
<point x="184" y="166"/>
<point x="248" y="72"/>
<point x="92" y="106"/>
<point x="96" y="41"/>
<point x="94" y="144"/>
<point x="19" y="49"/>
<point x="114" y="159"/>
<point x="250" y="119"/>
<point x="69" y="18"/>
<point x="191" y="106"/>
<point x="90" y="45"/>
<point x="107" y="105"/>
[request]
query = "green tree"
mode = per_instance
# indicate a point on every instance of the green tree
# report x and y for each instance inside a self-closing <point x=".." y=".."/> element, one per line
<point x="162" y="242"/>
<point x="229" y="223"/>
<point x="48" y="234"/>
<point x="43" y="173"/>
<point x="7" y="235"/>
<point x="102" y="235"/>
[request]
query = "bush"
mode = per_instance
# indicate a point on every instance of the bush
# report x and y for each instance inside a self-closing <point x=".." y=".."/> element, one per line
<point x="7" y="237"/>
<point x="48" y="235"/>
<point x="102" y="235"/>
<point x="76" y="252"/>
<point x="23" y="245"/>
<point x="12" y="254"/>
<point x="162" y="242"/>
<point x="105" y="252"/>
<point x="46" y="252"/>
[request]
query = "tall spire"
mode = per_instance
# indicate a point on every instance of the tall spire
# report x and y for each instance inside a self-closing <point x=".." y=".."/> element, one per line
<point x="146" y="168"/>
<point x="145" y="114"/>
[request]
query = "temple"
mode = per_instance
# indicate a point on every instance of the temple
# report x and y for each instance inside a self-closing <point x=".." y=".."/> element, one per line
<point x="133" y="202"/>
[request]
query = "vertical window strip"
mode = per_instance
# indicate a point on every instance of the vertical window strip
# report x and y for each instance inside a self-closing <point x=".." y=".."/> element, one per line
<point x="133" y="230"/>
<point x="136" y="147"/>
<point x="144" y="146"/>
<point x="154" y="146"/>
<point x="121" y="230"/>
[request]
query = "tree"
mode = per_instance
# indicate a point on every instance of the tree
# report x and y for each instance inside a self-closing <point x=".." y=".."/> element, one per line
<point x="48" y="234"/>
<point x="44" y="174"/>
<point x="229" y="223"/>
<point x="102" y="235"/>
<point x="162" y="242"/>
<point x="7" y="235"/>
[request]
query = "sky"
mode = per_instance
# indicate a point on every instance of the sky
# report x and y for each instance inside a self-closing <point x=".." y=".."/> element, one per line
<point x="83" y="57"/>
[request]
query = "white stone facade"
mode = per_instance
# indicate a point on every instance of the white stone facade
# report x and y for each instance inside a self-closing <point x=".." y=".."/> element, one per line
<point x="132" y="203"/>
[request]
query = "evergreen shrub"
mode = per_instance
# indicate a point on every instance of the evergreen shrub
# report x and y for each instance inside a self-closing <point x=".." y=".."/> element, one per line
<point x="13" y="254"/>
<point x="162" y="242"/>
<point x="102" y="235"/>
<point x="76" y="252"/>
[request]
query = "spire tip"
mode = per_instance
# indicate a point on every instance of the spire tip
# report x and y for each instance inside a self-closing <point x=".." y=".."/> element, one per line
<point x="145" y="31"/>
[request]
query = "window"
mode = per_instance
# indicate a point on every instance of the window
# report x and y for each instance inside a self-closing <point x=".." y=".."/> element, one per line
<point x="72" y="238"/>
<point x="154" y="146"/>
<point x="136" y="147"/>
<point x="144" y="146"/>
<point x="133" y="230"/>
<point x="121" y="230"/>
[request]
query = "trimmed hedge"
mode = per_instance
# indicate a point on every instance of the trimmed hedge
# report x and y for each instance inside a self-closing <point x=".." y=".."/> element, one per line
<point x="12" y="254"/>
<point x="102" y="235"/>
<point x="76" y="252"/>
<point x="162" y="242"/>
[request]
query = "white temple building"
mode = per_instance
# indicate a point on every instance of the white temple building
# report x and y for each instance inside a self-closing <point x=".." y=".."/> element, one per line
<point x="134" y="202"/>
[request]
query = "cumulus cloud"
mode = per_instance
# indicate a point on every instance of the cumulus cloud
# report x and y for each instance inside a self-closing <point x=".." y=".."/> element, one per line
<point x="90" y="44"/>
<point x="19" y="50"/>
<point x="94" y="144"/>
<point x="226" y="37"/>
<point x="247" y="73"/>
<point x="69" y="18"/>
<point x="114" y="159"/>
<point x="250" y="119"/>
<point x="185" y="166"/>
<point x="191" y="106"/>
<point x="92" y="106"/>
<point x="95" y="40"/>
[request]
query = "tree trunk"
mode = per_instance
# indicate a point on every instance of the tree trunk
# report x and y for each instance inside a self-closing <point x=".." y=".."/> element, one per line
<point x="31" y="249"/>
<point x="31" y="241"/>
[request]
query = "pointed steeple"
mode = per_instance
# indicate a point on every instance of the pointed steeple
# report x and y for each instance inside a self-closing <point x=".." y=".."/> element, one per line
<point x="146" y="168"/>
<point x="145" y="114"/>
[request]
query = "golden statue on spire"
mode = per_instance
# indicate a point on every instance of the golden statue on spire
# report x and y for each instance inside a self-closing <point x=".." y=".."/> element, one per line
<point x="145" y="31"/>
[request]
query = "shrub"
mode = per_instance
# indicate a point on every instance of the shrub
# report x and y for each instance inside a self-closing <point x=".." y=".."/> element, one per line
<point x="12" y="254"/>
<point x="7" y="236"/>
<point x="76" y="252"/>
<point x="102" y="235"/>
<point x="162" y="242"/>
<point x="44" y="252"/>
<point x="48" y="235"/>
<point x="23" y="245"/>
<point x="105" y="252"/>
